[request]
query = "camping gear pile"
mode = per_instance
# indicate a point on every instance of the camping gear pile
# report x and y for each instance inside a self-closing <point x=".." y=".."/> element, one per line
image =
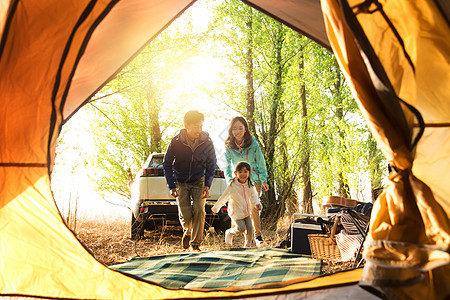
<point x="350" y="220"/>
<point x="338" y="236"/>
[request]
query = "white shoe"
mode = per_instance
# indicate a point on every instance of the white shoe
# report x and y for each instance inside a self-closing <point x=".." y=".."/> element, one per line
<point x="259" y="241"/>
<point x="228" y="237"/>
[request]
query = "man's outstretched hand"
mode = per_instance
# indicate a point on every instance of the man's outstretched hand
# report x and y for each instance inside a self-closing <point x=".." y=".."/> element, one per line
<point x="174" y="193"/>
<point x="205" y="193"/>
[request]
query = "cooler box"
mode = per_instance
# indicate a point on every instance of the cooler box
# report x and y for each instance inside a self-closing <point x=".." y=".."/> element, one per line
<point x="299" y="236"/>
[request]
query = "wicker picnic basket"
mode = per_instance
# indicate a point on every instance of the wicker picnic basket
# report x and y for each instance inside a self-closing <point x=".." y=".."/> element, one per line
<point x="323" y="246"/>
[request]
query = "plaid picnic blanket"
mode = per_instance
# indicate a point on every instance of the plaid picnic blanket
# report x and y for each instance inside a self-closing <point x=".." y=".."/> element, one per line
<point x="220" y="269"/>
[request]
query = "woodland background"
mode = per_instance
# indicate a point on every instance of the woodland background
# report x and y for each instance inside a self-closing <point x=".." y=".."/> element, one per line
<point x="225" y="59"/>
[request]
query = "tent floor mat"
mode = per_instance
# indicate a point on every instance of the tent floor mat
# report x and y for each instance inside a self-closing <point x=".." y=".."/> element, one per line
<point x="221" y="269"/>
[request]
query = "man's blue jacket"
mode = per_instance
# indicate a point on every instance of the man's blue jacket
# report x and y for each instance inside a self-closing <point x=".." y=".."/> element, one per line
<point x="184" y="164"/>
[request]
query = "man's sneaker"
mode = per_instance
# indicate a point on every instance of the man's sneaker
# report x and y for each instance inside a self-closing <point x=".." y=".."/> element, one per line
<point x="185" y="240"/>
<point x="195" y="248"/>
<point x="259" y="241"/>
<point x="228" y="238"/>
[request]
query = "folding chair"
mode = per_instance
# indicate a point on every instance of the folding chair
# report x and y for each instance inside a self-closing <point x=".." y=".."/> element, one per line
<point x="375" y="192"/>
<point x="363" y="231"/>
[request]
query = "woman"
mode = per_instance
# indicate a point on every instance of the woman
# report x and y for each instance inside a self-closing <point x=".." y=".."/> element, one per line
<point x="240" y="145"/>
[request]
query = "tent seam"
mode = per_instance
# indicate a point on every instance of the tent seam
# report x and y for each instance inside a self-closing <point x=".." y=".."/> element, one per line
<point x="379" y="74"/>
<point x="56" y="87"/>
<point x="125" y="63"/>
<point x="25" y="165"/>
<point x="83" y="48"/>
<point x="251" y="4"/>
<point x="11" y="10"/>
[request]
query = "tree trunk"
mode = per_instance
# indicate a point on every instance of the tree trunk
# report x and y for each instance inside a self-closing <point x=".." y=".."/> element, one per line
<point x="155" y="130"/>
<point x="275" y="207"/>
<point x="286" y="194"/>
<point x="344" y="189"/>
<point x="305" y="146"/>
<point x="374" y="165"/>
<point x="250" y="91"/>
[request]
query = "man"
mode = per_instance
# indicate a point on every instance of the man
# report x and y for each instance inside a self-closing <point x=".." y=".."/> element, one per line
<point x="189" y="166"/>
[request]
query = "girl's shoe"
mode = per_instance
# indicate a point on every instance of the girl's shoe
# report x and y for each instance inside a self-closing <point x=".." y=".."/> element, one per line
<point x="228" y="237"/>
<point x="259" y="241"/>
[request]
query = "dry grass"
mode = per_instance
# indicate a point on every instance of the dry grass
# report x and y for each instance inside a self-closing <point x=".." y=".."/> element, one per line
<point x="108" y="240"/>
<point x="329" y="267"/>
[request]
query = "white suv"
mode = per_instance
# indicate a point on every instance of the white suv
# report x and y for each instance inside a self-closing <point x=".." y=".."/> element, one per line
<point x="152" y="204"/>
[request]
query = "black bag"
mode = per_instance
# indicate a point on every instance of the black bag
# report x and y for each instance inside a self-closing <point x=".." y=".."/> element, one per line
<point x="286" y="243"/>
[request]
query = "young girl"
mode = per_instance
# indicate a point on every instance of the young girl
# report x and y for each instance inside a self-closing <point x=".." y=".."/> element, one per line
<point x="240" y="145"/>
<point x="241" y="194"/>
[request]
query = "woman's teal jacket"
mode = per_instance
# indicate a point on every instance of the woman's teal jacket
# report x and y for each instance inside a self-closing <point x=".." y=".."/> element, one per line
<point x="252" y="155"/>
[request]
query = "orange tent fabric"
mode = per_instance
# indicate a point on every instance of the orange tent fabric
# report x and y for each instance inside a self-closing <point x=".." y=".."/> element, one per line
<point x="396" y="55"/>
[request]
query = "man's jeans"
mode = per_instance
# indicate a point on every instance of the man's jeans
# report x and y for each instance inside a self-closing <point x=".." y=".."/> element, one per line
<point x="192" y="217"/>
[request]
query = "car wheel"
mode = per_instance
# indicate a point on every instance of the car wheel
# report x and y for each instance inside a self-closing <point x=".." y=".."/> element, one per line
<point x="150" y="225"/>
<point x="222" y="225"/>
<point x="136" y="228"/>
